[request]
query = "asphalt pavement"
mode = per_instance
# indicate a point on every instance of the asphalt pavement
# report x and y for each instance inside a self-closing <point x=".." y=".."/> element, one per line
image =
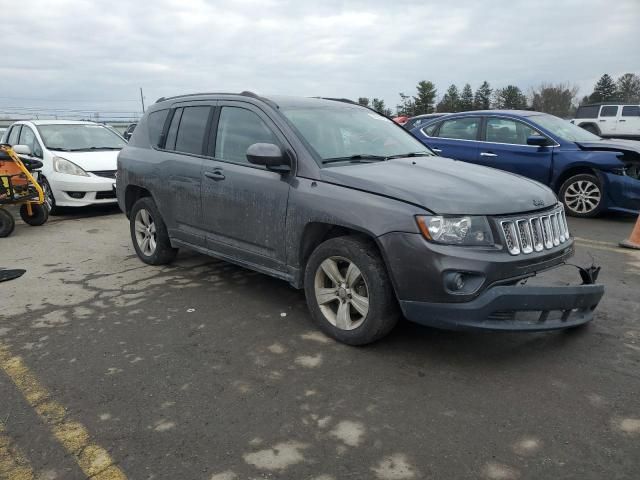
<point x="113" y="369"/>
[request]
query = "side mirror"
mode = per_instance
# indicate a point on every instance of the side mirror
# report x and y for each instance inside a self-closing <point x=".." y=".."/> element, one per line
<point x="22" y="150"/>
<point x="538" y="140"/>
<point x="270" y="156"/>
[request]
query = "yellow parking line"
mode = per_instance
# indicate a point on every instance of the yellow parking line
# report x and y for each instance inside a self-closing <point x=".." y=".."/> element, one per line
<point x="94" y="460"/>
<point x="13" y="464"/>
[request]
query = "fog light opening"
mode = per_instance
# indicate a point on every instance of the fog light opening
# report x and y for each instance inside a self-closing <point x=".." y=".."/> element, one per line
<point x="455" y="282"/>
<point x="76" y="194"/>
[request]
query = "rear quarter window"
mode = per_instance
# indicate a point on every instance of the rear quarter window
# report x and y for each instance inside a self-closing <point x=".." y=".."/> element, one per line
<point x="588" y="112"/>
<point x="631" y="111"/>
<point x="155" y="124"/>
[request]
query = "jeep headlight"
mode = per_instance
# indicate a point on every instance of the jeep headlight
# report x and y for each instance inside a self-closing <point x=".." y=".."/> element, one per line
<point x="465" y="230"/>
<point x="62" y="165"/>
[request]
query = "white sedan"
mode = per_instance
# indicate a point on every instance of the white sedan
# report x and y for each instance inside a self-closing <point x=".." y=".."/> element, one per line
<point x="79" y="159"/>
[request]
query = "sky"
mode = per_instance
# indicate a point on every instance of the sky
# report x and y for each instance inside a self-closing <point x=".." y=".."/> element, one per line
<point x="75" y="55"/>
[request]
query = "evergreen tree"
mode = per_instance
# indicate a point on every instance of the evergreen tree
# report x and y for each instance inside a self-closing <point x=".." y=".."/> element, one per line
<point x="510" y="97"/>
<point x="364" y="101"/>
<point x="482" y="97"/>
<point x="466" y="98"/>
<point x="450" y="102"/>
<point x="604" y="90"/>
<point x="406" y="107"/>
<point x="628" y="86"/>
<point x="378" y="105"/>
<point x="425" y="99"/>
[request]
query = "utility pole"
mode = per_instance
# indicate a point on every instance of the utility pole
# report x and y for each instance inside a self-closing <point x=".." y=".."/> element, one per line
<point x="142" y="99"/>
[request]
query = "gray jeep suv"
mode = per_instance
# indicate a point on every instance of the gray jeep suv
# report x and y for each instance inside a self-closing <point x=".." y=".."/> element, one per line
<point x="337" y="199"/>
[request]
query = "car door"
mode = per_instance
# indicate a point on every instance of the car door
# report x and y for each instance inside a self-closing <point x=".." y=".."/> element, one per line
<point x="505" y="147"/>
<point x="244" y="206"/>
<point x="454" y="138"/>
<point x="608" y="119"/>
<point x="179" y="174"/>
<point x="29" y="138"/>
<point x="629" y="121"/>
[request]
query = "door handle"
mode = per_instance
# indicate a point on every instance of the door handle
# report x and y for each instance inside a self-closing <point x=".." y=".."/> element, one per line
<point x="602" y="120"/>
<point x="622" y="120"/>
<point x="488" y="154"/>
<point x="215" y="175"/>
<point x="437" y="150"/>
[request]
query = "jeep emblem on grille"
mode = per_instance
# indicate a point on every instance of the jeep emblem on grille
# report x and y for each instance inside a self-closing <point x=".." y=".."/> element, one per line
<point x="537" y="202"/>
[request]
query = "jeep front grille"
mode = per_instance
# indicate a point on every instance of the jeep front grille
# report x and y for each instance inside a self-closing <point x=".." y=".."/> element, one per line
<point x="535" y="233"/>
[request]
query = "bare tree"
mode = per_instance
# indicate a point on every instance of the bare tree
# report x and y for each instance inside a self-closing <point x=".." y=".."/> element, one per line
<point x="555" y="99"/>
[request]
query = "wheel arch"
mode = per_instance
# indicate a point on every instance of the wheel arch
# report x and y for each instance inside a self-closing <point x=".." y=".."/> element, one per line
<point x="590" y="124"/>
<point x="316" y="233"/>
<point x="132" y="194"/>
<point x="572" y="171"/>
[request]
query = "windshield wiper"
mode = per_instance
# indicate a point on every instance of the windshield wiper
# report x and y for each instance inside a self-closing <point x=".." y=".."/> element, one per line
<point x="411" y="154"/>
<point x="58" y="149"/>
<point x="103" y="148"/>
<point x="356" y="158"/>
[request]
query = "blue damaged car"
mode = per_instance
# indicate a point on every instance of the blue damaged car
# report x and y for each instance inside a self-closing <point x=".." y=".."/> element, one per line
<point x="589" y="174"/>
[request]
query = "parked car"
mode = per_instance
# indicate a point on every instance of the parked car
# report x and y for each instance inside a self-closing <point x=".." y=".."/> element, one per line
<point x="79" y="159"/>
<point x="129" y="131"/>
<point x="419" y="120"/>
<point x="610" y="119"/>
<point x="2" y="130"/>
<point x="342" y="202"/>
<point x="589" y="174"/>
<point x="400" y="120"/>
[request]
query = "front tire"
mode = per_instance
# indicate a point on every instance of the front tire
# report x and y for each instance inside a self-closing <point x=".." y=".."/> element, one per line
<point x="49" y="200"/>
<point x="582" y="195"/>
<point x="7" y="223"/>
<point x="149" y="233"/>
<point x="348" y="291"/>
<point x="39" y="214"/>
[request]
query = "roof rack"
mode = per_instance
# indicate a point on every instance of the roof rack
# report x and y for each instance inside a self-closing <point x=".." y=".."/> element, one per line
<point x="610" y="102"/>
<point x="244" y="93"/>
<point x="343" y="100"/>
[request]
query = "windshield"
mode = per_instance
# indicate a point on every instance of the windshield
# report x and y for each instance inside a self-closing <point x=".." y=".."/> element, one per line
<point x="347" y="132"/>
<point x="564" y="129"/>
<point x="75" y="137"/>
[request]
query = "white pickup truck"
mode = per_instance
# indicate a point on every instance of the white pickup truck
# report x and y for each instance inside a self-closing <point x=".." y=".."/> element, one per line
<point x="610" y="119"/>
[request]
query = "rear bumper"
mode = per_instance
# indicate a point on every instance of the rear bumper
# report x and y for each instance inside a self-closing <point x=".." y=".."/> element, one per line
<point x="512" y="308"/>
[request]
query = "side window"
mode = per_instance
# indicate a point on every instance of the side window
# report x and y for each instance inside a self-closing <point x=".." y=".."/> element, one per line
<point x="173" y="130"/>
<point x="27" y="137"/>
<point x="609" y="111"/>
<point x="193" y="125"/>
<point x="238" y="129"/>
<point x="155" y="124"/>
<point x="588" y="112"/>
<point x="460" y="128"/>
<point x="504" y="130"/>
<point x="12" y="139"/>
<point x="631" y="111"/>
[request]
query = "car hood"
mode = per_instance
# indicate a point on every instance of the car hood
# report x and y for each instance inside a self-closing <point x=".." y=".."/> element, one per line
<point x="445" y="186"/>
<point x="611" y="145"/>
<point x="92" y="161"/>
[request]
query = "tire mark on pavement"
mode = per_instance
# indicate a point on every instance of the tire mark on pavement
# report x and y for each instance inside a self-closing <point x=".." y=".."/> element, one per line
<point x="94" y="460"/>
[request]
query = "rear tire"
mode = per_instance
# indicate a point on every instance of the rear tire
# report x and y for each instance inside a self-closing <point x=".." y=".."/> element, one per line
<point x="149" y="233"/>
<point x="39" y="214"/>
<point x="591" y="129"/>
<point x="7" y="223"/>
<point x="348" y="291"/>
<point x="582" y="196"/>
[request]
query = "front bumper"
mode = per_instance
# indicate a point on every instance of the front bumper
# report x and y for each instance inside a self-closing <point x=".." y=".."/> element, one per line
<point x="97" y="190"/>
<point x="623" y="192"/>
<point x="509" y="308"/>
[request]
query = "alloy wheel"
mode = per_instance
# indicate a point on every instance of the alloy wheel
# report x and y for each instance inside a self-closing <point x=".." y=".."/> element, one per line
<point x="342" y="293"/>
<point x="145" y="230"/>
<point x="582" y="196"/>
